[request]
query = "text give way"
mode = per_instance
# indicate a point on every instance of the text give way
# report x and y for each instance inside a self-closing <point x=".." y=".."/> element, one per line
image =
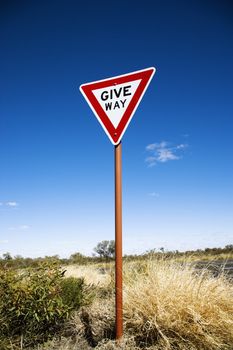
<point x="115" y="100"/>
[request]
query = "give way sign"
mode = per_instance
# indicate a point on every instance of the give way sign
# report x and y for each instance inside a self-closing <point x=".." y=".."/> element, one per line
<point x="115" y="100"/>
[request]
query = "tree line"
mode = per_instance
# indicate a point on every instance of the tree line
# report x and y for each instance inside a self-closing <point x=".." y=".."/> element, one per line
<point x="105" y="252"/>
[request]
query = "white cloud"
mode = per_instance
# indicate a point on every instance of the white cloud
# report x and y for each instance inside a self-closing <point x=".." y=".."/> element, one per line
<point x="153" y="194"/>
<point x="162" y="152"/>
<point x="182" y="146"/>
<point x="151" y="161"/>
<point x="165" y="155"/>
<point x="19" y="228"/>
<point x="12" y="204"/>
<point x="154" y="146"/>
<point x="24" y="227"/>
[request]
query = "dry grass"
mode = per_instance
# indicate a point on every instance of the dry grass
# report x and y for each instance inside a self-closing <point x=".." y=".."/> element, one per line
<point x="167" y="306"/>
<point x="92" y="274"/>
<point x="222" y="257"/>
<point x="171" y="306"/>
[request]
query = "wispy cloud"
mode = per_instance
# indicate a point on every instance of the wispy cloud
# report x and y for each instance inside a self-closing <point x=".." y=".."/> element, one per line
<point x="12" y="204"/>
<point x="154" y="146"/>
<point x="9" y="205"/>
<point x="163" y="152"/>
<point x="151" y="161"/>
<point x="153" y="194"/>
<point x="19" y="228"/>
<point x="24" y="227"/>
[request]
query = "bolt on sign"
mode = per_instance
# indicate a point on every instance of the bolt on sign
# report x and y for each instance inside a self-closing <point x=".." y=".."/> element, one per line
<point x="115" y="100"/>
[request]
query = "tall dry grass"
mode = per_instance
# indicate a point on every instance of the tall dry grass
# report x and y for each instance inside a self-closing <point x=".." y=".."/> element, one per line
<point x="167" y="306"/>
<point x="92" y="274"/>
<point x="172" y="306"/>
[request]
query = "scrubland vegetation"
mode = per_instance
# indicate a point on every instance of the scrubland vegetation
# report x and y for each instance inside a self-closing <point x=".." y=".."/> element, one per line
<point x="101" y="256"/>
<point x="168" y="304"/>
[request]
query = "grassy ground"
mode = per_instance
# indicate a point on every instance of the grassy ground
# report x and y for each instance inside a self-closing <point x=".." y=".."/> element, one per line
<point x="167" y="305"/>
<point x="93" y="274"/>
<point x="207" y="257"/>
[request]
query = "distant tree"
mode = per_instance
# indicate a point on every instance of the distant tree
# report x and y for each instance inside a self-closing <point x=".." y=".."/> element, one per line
<point x="105" y="249"/>
<point x="51" y="259"/>
<point x="18" y="257"/>
<point x="18" y="261"/>
<point x="7" y="256"/>
<point x="77" y="258"/>
<point x="207" y="250"/>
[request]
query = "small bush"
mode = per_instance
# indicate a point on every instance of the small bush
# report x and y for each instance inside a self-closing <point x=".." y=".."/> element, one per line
<point x="31" y="306"/>
<point x="72" y="292"/>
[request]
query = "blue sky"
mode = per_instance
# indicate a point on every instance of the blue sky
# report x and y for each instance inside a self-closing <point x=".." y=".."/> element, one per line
<point x="56" y="163"/>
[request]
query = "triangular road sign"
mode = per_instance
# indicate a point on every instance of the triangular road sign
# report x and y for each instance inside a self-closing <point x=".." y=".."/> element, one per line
<point x="114" y="100"/>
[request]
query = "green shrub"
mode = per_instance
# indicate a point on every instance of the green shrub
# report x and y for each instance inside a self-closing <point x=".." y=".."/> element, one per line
<point x="72" y="292"/>
<point x="31" y="306"/>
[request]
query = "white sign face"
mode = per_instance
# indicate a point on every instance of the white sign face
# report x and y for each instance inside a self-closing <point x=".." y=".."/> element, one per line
<point x="115" y="99"/>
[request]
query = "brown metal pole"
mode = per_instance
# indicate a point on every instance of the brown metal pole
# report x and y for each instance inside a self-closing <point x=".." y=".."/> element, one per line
<point x="118" y="242"/>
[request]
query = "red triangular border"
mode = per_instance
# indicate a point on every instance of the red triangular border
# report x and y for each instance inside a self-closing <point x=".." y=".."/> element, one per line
<point x="115" y="134"/>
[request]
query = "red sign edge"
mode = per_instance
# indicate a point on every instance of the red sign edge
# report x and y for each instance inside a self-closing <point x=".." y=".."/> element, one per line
<point x="111" y="80"/>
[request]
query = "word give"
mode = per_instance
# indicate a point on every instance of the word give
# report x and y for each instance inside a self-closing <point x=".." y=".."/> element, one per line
<point x="115" y="97"/>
